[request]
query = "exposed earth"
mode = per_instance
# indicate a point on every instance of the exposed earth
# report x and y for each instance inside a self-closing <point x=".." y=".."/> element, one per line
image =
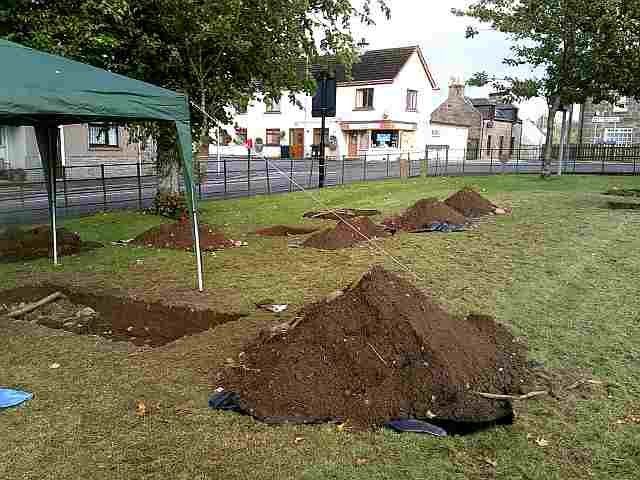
<point x="348" y="233"/>
<point x="179" y="236"/>
<point x="423" y="213"/>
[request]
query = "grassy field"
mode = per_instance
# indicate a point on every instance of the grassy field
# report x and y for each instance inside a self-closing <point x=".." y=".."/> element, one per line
<point x="562" y="271"/>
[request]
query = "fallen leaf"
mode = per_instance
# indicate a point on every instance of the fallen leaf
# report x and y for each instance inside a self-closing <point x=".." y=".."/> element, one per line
<point x="542" y="442"/>
<point x="54" y="365"/>
<point x="488" y="461"/>
<point x="141" y="408"/>
<point x="298" y="440"/>
<point x="361" y="461"/>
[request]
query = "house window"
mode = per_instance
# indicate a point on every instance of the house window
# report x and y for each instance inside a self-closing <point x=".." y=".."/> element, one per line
<point x="618" y="136"/>
<point x="385" y="138"/>
<point x="103" y="135"/>
<point x="435" y="133"/>
<point x="272" y="105"/>
<point x="621" y="105"/>
<point x="412" y="100"/>
<point x="364" y="99"/>
<point x="316" y="136"/>
<point x="273" y="136"/>
<point x="241" y="135"/>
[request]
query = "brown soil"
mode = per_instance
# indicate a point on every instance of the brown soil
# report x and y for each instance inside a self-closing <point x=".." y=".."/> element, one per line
<point x="423" y="213"/>
<point x="381" y="350"/>
<point x="19" y="245"/>
<point x="285" y="230"/>
<point x="340" y="213"/>
<point x="345" y="235"/>
<point x="179" y="236"/>
<point x="470" y="203"/>
<point x="115" y="318"/>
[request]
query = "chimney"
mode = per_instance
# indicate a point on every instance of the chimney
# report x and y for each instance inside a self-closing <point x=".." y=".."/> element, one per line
<point x="456" y="87"/>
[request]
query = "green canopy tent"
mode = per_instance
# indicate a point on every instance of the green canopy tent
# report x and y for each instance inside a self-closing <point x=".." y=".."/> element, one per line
<point x="46" y="91"/>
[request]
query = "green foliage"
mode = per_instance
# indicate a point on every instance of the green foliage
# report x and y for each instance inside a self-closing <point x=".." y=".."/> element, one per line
<point x="169" y="205"/>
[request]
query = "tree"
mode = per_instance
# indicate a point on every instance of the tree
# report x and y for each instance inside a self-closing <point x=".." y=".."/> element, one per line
<point x="219" y="52"/>
<point x="584" y="48"/>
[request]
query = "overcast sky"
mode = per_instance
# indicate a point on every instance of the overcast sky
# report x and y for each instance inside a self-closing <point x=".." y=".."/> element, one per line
<point x="430" y="24"/>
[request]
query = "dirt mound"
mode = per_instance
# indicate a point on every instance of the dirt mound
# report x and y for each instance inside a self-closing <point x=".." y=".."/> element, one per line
<point x="425" y="212"/>
<point x="179" y="236"/>
<point x="382" y="350"/>
<point x="470" y="203"/>
<point x="345" y="235"/>
<point x="36" y="243"/>
<point x="285" y="230"/>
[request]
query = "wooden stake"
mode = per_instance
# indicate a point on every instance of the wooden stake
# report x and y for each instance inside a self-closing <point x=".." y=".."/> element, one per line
<point x="33" y="306"/>
<point x="376" y="352"/>
<point x="494" y="396"/>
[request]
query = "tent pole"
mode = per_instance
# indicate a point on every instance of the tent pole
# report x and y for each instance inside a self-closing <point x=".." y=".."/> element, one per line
<point x="52" y="179"/>
<point x="196" y="238"/>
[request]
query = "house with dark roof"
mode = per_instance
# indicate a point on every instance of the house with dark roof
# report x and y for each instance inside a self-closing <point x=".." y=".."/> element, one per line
<point x="382" y="108"/>
<point x="484" y="127"/>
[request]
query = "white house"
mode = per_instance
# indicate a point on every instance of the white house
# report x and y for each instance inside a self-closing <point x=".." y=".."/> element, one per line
<point x="384" y="108"/>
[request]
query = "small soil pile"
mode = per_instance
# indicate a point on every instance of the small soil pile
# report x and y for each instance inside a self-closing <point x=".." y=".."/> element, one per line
<point x="16" y="245"/>
<point x="345" y="234"/>
<point x="381" y="350"/>
<point x="112" y="317"/>
<point x="179" y="236"/>
<point x="285" y="230"/>
<point x="470" y="203"/>
<point x="423" y="213"/>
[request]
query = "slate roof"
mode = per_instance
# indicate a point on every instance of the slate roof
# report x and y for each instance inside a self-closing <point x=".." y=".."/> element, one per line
<point x="378" y="65"/>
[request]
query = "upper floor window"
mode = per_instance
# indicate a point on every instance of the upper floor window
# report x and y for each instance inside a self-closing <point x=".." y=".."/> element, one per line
<point x="364" y="99"/>
<point x="272" y="105"/>
<point x="103" y="135"/>
<point x="621" y="105"/>
<point x="412" y="100"/>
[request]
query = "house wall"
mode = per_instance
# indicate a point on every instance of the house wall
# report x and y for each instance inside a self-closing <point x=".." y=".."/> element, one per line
<point x="628" y="117"/>
<point x="14" y="151"/>
<point x="499" y="129"/>
<point x="455" y="137"/>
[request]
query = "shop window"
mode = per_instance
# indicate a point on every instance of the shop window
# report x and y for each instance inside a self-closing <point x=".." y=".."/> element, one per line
<point x="385" y="138"/>
<point x="273" y="136"/>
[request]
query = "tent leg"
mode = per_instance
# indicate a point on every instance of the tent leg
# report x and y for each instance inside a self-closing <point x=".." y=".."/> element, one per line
<point x="196" y="239"/>
<point x="52" y="180"/>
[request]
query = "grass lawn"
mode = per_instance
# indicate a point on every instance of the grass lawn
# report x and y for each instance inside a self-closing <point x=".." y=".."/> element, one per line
<point x="562" y="271"/>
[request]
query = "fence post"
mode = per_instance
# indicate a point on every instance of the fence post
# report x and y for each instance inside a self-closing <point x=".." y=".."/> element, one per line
<point x="224" y="168"/>
<point x="291" y="173"/>
<point x="104" y="186"/>
<point x="266" y="164"/>
<point x="364" y="168"/>
<point x="635" y="152"/>
<point x="309" y="184"/>
<point x="518" y="159"/>
<point x="603" y="160"/>
<point x="248" y="172"/>
<point x="140" y="187"/>
<point x="446" y="161"/>
<point x="342" y="176"/>
<point x="491" y="160"/>
<point x="387" y="166"/>
<point x="64" y="185"/>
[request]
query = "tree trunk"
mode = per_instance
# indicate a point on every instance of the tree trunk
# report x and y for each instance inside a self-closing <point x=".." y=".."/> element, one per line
<point x="168" y="162"/>
<point x="554" y="106"/>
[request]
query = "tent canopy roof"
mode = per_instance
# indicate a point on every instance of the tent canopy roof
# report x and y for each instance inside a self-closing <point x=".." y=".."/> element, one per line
<point x="37" y="87"/>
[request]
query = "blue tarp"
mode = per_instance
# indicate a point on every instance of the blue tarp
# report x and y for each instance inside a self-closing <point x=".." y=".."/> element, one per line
<point x="11" y="398"/>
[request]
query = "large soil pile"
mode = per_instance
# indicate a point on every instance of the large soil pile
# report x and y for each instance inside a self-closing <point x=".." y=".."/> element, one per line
<point x="470" y="203"/>
<point x="382" y="350"/>
<point x="36" y="243"/>
<point x="425" y="212"/>
<point x="179" y="236"/>
<point x="285" y="230"/>
<point x="345" y="234"/>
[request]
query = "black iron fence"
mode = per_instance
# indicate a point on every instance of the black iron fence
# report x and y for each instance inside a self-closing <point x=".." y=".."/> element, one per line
<point x="90" y="188"/>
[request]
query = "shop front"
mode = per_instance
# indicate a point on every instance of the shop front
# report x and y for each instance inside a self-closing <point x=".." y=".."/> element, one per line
<point x="378" y="138"/>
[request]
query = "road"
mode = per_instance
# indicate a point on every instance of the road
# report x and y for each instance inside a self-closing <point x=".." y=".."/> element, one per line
<point x="28" y="203"/>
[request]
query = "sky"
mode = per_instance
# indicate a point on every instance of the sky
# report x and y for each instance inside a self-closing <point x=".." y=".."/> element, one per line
<point x="441" y="36"/>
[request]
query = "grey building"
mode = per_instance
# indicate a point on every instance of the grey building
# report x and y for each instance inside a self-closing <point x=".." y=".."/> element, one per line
<point x="605" y="123"/>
